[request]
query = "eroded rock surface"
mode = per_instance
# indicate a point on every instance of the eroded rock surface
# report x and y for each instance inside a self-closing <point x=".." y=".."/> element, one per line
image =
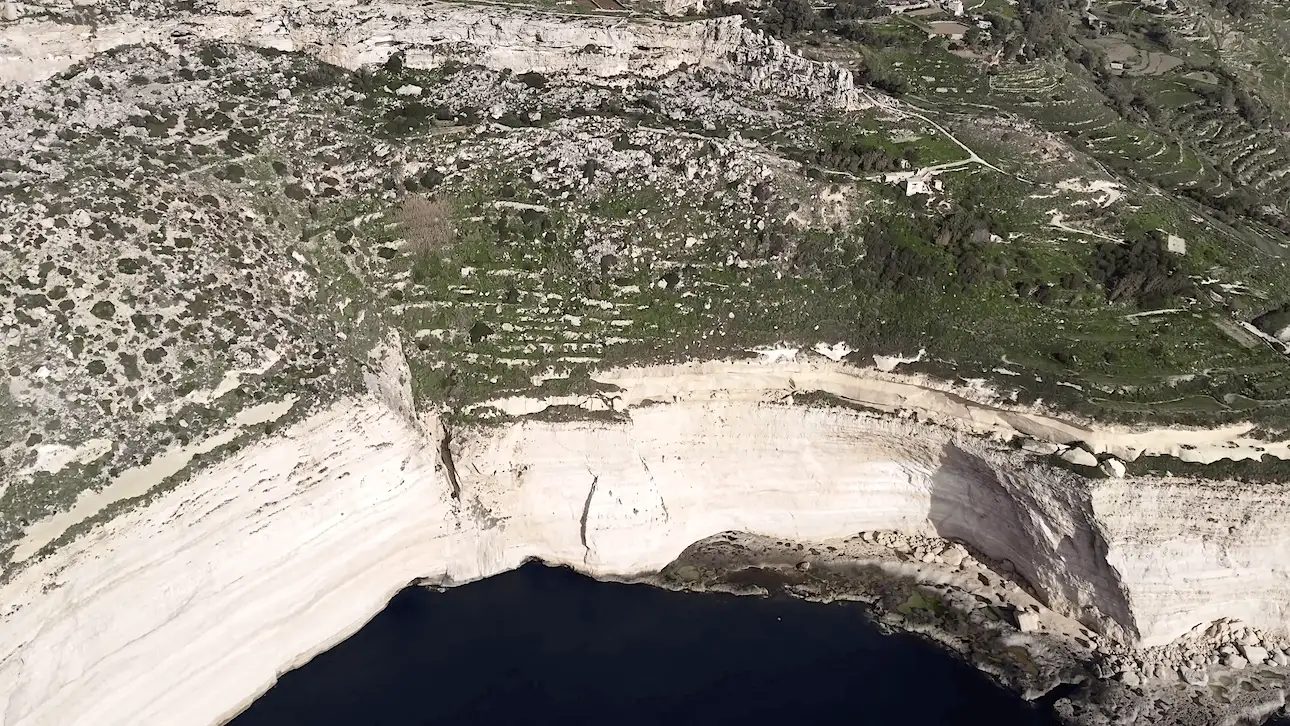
<point x="248" y="406"/>
<point x="344" y="508"/>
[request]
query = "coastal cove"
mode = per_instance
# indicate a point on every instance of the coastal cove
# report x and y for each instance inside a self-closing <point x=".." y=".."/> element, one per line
<point x="644" y="361"/>
<point x="547" y="645"/>
<point x="982" y="548"/>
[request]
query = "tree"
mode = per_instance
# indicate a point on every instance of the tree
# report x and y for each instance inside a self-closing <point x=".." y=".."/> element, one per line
<point x="1141" y="271"/>
<point x="785" y="18"/>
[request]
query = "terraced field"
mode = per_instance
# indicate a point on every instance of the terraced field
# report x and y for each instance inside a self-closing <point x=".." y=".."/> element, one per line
<point x="1004" y="215"/>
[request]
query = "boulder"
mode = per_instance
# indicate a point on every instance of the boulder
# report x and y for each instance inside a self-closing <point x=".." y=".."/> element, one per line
<point x="1113" y="468"/>
<point x="1079" y="457"/>
<point x="1028" y="622"/>
<point x="952" y="557"/>
<point x="1254" y="654"/>
<point x="1043" y="448"/>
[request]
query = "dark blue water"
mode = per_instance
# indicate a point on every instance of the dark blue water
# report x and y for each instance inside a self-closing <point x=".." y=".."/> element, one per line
<point x="547" y="646"/>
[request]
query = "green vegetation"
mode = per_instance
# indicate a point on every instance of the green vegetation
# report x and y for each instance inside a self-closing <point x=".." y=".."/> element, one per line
<point x="979" y="280"/>
<point x="1080" y="210"/>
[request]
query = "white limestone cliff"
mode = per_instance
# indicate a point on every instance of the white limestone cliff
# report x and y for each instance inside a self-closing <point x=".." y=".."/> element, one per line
<point x="276" y="553"/>
<point x="288" y="546"/>
<point x="1191" y="552"/>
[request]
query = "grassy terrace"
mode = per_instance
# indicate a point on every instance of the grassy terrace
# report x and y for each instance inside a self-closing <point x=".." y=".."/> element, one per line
<point x="549" y="271"/>
<point x="521" y="230"/>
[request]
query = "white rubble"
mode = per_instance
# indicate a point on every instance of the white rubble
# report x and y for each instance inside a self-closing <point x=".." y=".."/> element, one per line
<point x="1254" y="654"/>
<point x="1043" y="448"/>
<point x="889" y="363"/>
<point x="1028" y="622"/>
<point x="1078" y="456"/>
<point x="1113" y="467"/>
<point x="836" y="352"/>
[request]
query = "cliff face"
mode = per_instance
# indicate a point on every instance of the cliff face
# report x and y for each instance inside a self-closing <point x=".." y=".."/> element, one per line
<point x="1192" y="552"/>
<point x="433" y="34"/>
<point x="677" y="473"/>
<point x="285" y="548"/>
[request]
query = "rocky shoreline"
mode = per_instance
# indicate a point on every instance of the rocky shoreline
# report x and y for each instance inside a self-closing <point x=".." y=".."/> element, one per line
<point x="1227" y="674"/>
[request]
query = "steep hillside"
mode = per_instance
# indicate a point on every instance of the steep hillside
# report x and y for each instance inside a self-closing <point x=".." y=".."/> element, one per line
<point x="1043" y="244"/>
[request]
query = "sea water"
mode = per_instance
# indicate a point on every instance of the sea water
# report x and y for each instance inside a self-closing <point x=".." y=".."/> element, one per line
<point x="543" y="645"/>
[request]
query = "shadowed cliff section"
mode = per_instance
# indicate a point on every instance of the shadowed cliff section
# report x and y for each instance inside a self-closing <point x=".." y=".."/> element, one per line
<point x="1039" y="520"/>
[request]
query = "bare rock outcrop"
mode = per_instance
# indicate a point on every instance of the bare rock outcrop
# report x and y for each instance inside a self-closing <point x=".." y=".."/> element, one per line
<point x="430" y="35"/>
<point x="275" y="553"/>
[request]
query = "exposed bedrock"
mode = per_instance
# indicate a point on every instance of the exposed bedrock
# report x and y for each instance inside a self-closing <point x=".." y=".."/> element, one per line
<point x="1039" y="520"/>
<point x="429" y="35"/>
<point x="1190" y="553"/>
<point x="280" y="550"/>
<point x="677" y="473"/>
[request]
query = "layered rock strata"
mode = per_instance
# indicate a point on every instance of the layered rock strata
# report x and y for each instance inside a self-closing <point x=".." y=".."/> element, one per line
<point x="286" y="547"/>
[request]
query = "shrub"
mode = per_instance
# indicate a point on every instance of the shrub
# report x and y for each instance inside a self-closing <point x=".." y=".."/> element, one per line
<point x="532" y="79"/>
<point x="407" y="118"/>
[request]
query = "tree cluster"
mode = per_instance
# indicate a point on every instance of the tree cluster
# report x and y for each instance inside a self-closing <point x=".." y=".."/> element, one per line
<point x="897" y="261"/>
<point x="909" y="252"/>
<point x="785" y="18"/>
<point x="850" y="11"/>
<point x="860" y="155"/>
<point x="968" y="237"/>
<point x="1241" y="9"/>
<point x="867" y="34"/>
<point x="882" y="80"/>
<point x="1047" y="27"/>
<point x="1232" y="96"/>
<point x="1141" y="272"/>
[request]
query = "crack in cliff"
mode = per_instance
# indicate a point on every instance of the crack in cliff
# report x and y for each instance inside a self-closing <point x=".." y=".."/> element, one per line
<point x="667" y="516"/>
<point x="450" y="467"/>
<point x="586" y="512"/>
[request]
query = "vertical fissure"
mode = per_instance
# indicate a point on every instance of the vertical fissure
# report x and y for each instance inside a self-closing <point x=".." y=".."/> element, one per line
<point x="586" y="512"/>
<point x="450" y="467"/>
